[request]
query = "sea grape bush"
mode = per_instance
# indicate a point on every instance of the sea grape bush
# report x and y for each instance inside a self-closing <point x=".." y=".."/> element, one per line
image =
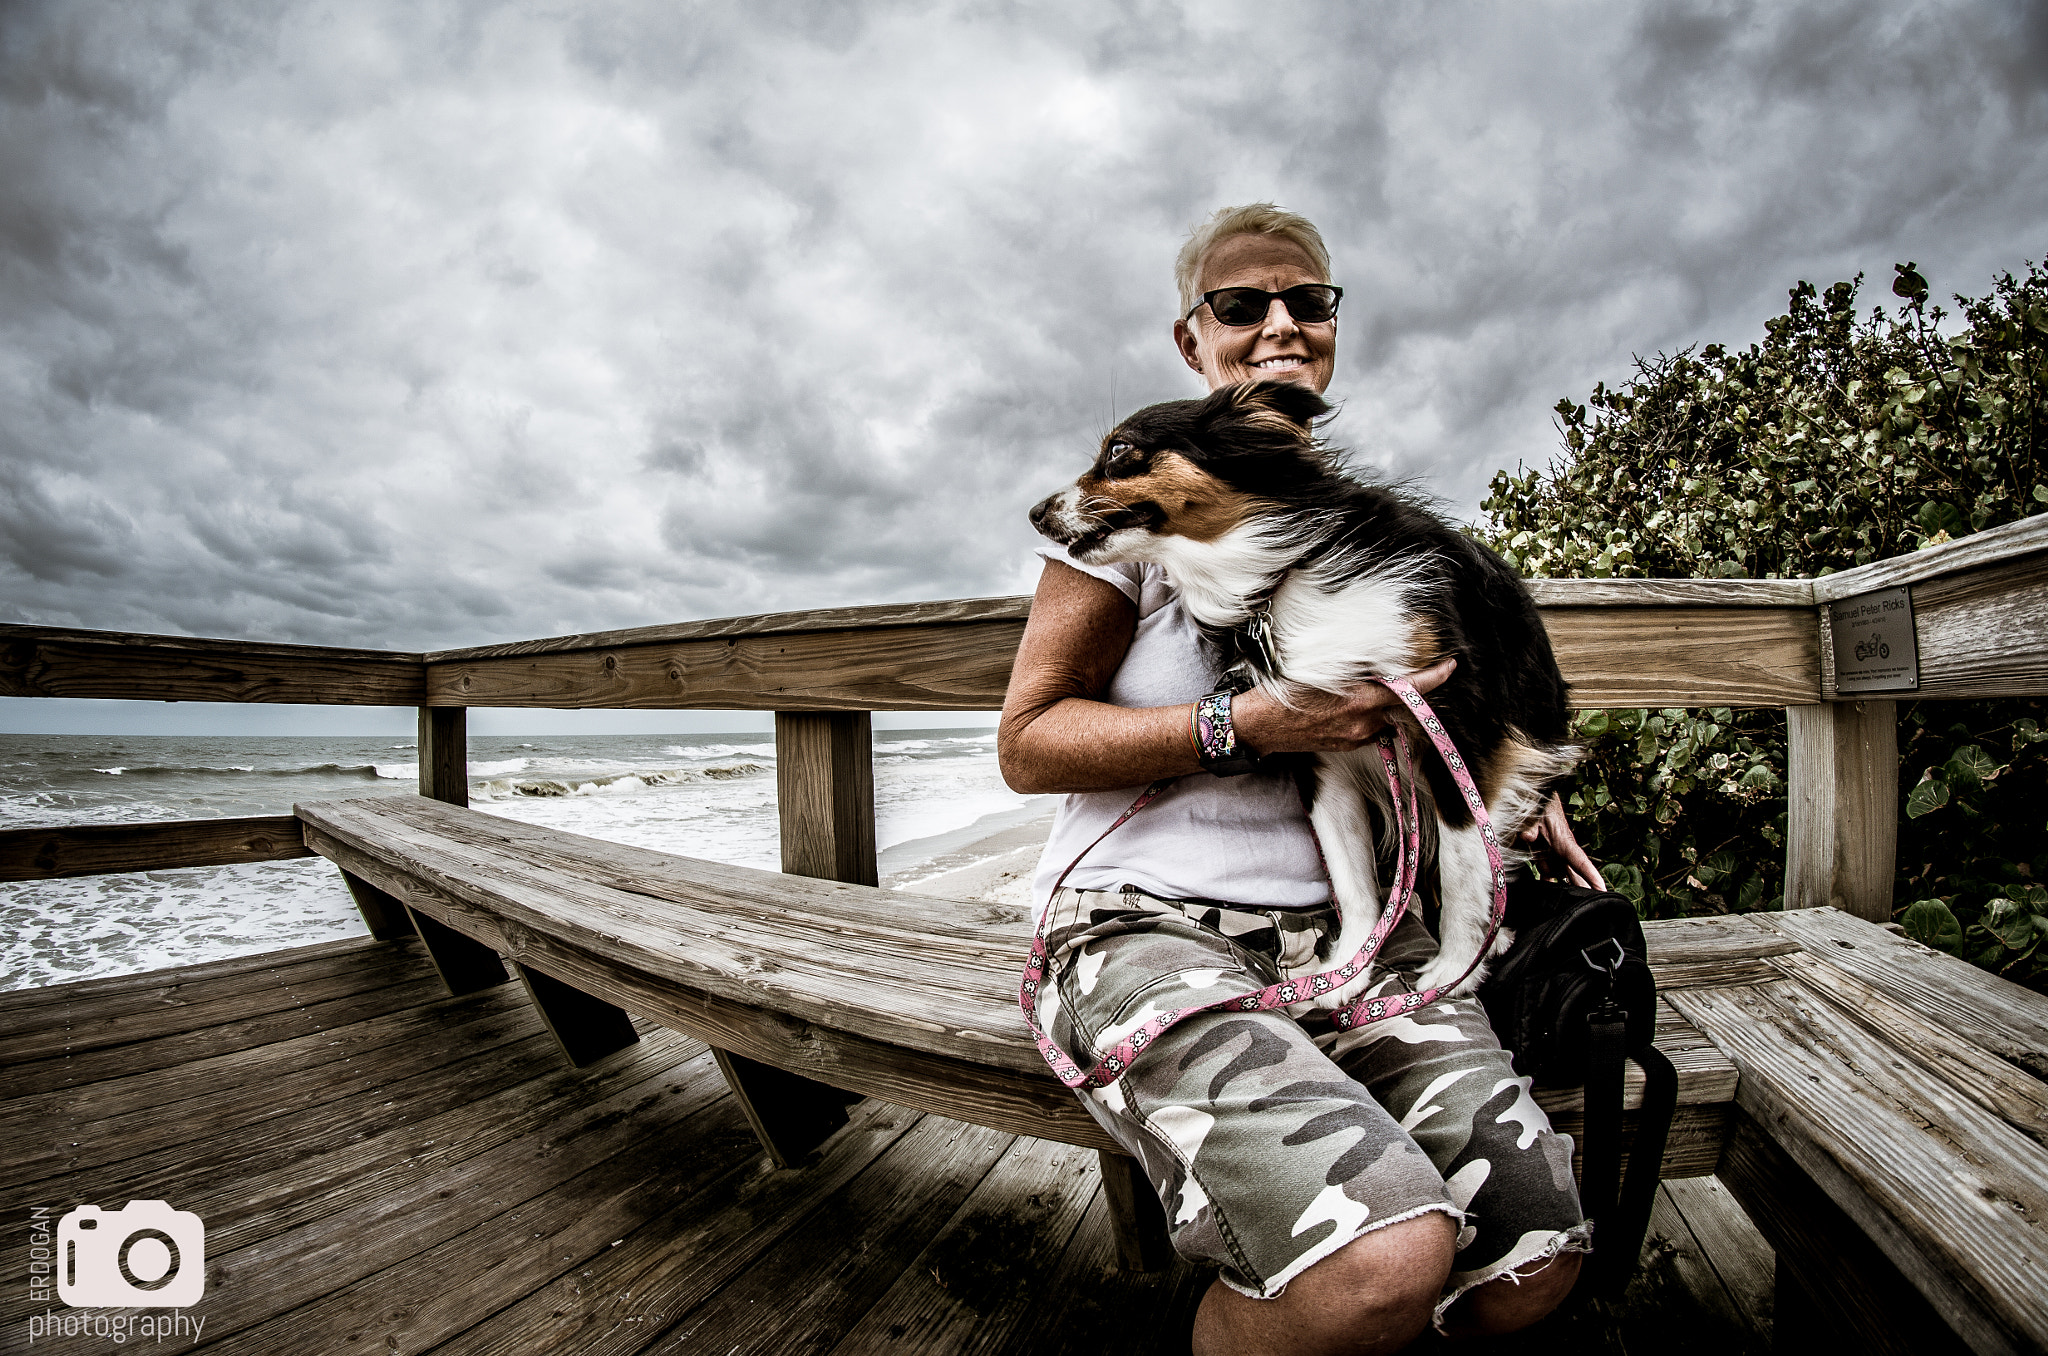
<point x="1834" y="441"/>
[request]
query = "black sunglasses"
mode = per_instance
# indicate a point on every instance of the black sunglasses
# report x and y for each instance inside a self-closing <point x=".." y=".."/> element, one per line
<point x="1309" y="304"/>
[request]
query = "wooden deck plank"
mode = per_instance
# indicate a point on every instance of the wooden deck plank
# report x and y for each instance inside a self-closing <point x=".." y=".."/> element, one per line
<point x="278" y="1193"/>
<point x="1953" y="1195"/>
<point x="200" y="1108"/>
<point x="147" y="1074"/>
<point x="75" y="990"/>
<point x="270" y="1276"/>
<point x="851" y="1250"/>
<point x="1672" y="1243"/>
<point x="628" y="1295"/>
<point x="71" y="1073"/>
<point x="1743" y="1261"/>
<point x="1100" y="1308"/>
<point x="416" y="1302"/>
<point x="972" y="1284"/>
<point x="120" y="1019"/>
<point x="2003" y="1018"/>
<point x="26" y="1011"/>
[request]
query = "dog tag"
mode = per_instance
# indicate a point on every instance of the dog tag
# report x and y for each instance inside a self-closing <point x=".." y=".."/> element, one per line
<point x="1258" y="631"/>
<point x="1876" y="647"/>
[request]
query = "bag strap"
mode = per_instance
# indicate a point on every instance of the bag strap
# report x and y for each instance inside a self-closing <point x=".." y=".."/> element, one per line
<point x="1364" y="1012"/>
<point x="1621" y="1230"/>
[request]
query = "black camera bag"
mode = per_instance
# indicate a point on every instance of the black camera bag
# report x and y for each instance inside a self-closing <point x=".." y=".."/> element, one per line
<point x="1572" y="998"/>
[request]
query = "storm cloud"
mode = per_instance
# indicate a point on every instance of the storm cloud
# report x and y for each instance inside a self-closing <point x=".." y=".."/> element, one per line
<point x="421" y="325"/>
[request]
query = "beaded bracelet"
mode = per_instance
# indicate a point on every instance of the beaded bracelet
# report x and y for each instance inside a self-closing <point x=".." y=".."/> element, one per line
<point x="1215" y="738"/>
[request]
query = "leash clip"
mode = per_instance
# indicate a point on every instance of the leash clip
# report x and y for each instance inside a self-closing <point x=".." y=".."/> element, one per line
<point x="1258" y="629"/>
<point x="1609" y="968"/>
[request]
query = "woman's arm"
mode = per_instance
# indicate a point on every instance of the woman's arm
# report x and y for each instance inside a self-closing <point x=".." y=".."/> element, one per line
<point x="1058" y="735"/>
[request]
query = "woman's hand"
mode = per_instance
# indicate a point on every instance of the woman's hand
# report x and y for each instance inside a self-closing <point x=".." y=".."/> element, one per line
<point x="1325" y="722"/>
<point x="1556" y="852"/>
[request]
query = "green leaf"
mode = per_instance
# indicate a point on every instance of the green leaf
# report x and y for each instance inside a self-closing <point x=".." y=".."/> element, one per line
<point x="1592" y="724"/>
<point x="1972" y="763"/>
<point x="1929" y="922"/>
<point x="2012" y="925"/>
<point x="1926" y="798"/>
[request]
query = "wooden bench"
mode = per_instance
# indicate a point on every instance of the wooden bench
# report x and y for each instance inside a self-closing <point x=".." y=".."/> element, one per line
<point x="854" y="989"/>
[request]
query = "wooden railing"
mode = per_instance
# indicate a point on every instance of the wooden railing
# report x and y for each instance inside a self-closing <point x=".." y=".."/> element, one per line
<point x="1980" y="608"/>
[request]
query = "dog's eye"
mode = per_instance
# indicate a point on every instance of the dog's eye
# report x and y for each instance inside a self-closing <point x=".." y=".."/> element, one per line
<point x="1122" y="460"/>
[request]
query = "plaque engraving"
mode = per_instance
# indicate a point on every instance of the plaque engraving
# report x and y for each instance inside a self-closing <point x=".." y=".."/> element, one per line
<point x="1876" y="649"/>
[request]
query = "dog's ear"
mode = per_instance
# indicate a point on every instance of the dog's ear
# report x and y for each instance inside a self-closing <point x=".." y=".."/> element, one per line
<point x="1298" y="405"/>
<point x="1263" y="414"/>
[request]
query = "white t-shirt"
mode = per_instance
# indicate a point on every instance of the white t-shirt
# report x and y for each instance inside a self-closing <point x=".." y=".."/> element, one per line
<point x="1238" y="840"/>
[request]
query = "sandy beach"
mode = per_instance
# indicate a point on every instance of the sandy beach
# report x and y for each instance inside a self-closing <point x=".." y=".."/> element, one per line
<point x="995" y="867"/>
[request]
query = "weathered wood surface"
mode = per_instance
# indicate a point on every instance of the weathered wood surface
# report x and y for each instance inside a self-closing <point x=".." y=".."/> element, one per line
<point x="443" y="1193"/>
<point x="2001" y="1017"/>
<point x="1994" y="546"/>
<point x="1658" y="656"/>
<point x="1948" y="1180"/>
<point x="896" y="996"/>
<point x="1984" y="632"/>
<point x="1718" y="1252"/>
<point x="1841" y="844"/>
<point x="881" y="616"/>
<point x="1835" y="1289"/>
<point x="100" y="849"/>
<point x="47" y="661"/>
<point x="1639" y="656"/>
<point x="909" y="668"/>
<point x="1017" y="1100"/>
<point x="1699" y="594"/>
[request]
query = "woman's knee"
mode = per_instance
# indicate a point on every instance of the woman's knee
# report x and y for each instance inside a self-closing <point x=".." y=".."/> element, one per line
<point x="1375" y="1294"/>
<point x="1511" y="1302"/>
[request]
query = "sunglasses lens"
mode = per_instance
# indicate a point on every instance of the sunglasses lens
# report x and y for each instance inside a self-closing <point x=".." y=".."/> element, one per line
<point x="1310" y="305"/>
<point x="1240" y="305"/>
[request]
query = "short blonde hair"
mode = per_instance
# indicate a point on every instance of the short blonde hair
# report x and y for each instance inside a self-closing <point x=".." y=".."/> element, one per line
<point x="1253" y="218"/>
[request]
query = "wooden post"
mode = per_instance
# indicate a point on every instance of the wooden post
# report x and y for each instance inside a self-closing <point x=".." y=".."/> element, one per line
<point x="1136" y="1219"/>
<point x="825" y="789"/>
<point x="444" y="753"/>
<point x="1843" y="832"/>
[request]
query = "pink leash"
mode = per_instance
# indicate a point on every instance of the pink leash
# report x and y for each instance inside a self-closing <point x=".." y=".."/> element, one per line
<point x="1366" y="1010"/>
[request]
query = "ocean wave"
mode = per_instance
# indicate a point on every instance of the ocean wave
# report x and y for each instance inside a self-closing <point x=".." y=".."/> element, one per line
<point x="719" y="750"/>
<point x="614" y="784"/>
<point x="365" y="770"/>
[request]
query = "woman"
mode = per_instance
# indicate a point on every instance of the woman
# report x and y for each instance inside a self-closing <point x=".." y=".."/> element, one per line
<point x="1349" y="1186"/>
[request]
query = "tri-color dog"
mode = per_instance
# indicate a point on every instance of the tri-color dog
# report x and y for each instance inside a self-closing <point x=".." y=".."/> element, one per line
<point x="1307" y="578"/>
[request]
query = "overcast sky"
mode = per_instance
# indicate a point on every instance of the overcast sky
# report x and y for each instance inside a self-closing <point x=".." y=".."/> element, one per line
<point x="423" y="325"/>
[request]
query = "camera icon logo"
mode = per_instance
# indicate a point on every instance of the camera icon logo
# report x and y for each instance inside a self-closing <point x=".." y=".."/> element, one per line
<point x="144" y="1255"/>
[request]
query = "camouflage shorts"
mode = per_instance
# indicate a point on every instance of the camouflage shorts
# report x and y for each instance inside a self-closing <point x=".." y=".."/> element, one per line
<point x="1274" y="1139"/>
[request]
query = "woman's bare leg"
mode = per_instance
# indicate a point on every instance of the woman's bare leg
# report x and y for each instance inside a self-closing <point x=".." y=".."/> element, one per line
<point x="1373" y="1295"/>
<point x="1502" y="1306"/>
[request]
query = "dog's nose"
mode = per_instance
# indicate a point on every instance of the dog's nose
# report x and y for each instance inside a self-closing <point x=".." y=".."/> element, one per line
<point x="1042" y="510"/>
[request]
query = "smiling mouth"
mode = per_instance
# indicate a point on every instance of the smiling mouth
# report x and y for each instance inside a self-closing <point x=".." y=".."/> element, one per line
<point x="1285" y="364"/>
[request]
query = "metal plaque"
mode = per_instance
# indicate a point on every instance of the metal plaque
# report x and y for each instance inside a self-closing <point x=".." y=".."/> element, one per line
<point x="1876" y="649"/>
